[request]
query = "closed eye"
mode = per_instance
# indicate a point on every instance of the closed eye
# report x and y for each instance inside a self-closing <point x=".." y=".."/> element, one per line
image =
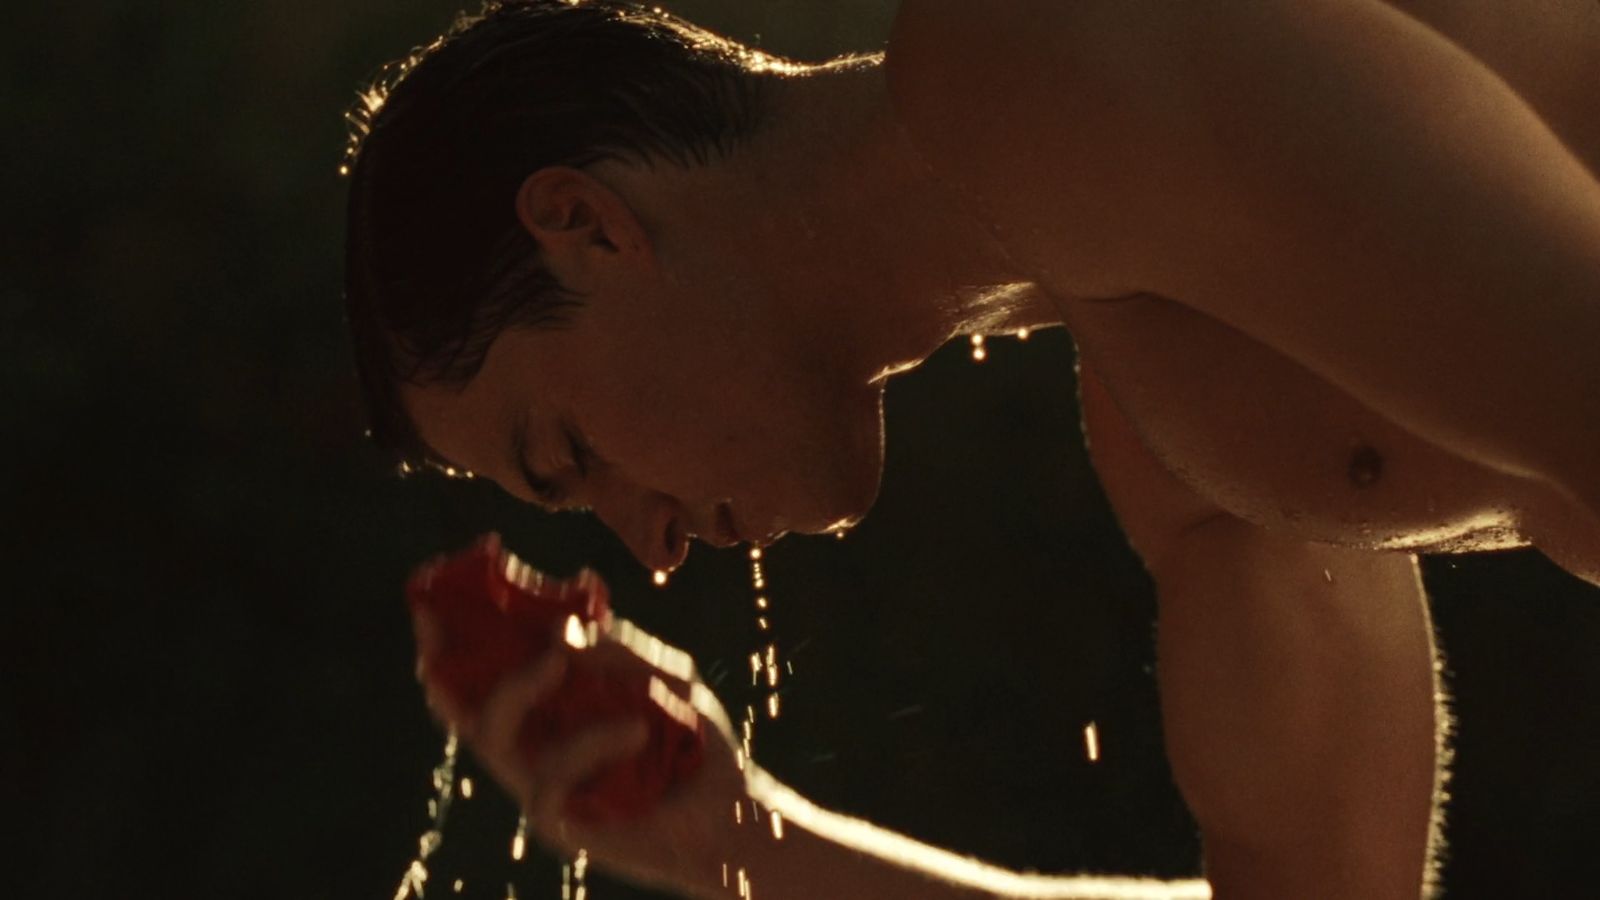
<point x="545" y="491"/>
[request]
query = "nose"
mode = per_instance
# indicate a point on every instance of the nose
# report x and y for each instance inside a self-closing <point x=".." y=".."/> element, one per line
<point x="650" y="523"/>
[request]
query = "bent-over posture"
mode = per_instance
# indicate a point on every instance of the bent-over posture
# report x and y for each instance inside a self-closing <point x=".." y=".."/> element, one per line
<point x="1334" y="273"/>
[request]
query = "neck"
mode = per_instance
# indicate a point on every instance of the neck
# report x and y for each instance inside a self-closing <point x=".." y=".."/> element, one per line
<point x="828" y="217"/>
<point x="880" y="250"/>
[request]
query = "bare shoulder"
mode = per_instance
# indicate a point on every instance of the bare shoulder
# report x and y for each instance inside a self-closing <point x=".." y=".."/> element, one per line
<point x="1006" y="103"/>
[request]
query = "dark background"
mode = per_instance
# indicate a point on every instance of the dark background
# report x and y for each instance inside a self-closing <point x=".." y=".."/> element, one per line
<point x="208" y="678"/>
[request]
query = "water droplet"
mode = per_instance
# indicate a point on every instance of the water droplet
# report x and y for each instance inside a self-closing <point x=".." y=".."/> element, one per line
<point x="777" y="825"/>
<point x="580" y="873"/>
<point x="1091" y="742"/>
<point x="519" y="841"/>
<point x="1022" y="334"/>
<point x="1327" y="576"/>
<point x="660" y="578"/>
<point x="576" y="635"/>
<point x="466" y="788"/>
<point x="443" y="780"/>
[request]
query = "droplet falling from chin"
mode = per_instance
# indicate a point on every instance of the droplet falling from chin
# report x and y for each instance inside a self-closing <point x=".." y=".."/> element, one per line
<point x="519" y="841"/>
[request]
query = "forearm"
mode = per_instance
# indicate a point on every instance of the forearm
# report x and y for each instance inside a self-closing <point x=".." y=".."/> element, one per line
<point x="1299" y="700"/>
<point x="825" y="854"/>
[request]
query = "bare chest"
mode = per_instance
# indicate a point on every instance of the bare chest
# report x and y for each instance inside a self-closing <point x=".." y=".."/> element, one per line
<point x="1260" y="436"/>
<point x="1266" y="439"/>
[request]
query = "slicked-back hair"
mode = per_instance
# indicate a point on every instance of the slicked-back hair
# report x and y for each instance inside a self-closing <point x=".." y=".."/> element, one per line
<point x="437" y="262"/>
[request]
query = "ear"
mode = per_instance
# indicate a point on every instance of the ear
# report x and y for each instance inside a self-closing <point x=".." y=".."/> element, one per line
<point x="567" y="211"/>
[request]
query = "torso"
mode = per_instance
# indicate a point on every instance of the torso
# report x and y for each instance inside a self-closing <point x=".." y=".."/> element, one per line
<point x="1265" y="439"/>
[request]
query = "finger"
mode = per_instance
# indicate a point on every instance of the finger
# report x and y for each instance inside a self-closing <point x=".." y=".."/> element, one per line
<point x="564" y="766"/>
<point x="503" y="710"/>
<point x="614" y="656"/>
<point x="653" y="651"/>
<point x="427" y="634"/>
<point x="443" y="708"/>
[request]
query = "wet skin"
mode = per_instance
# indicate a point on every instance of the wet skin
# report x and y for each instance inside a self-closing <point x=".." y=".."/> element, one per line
<point x="709" y="376"/>
<point x="1257" y="349"/>
<point x="1250" y="463"/>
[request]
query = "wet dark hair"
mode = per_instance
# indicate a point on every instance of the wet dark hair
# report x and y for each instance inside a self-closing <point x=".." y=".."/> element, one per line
<point x="437" y="263"/>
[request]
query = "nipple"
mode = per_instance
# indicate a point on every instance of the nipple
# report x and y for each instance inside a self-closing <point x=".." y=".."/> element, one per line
<point x="1366" y="466"/>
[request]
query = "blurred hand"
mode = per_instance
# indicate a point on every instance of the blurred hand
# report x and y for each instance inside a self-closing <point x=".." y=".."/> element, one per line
<point x="682" y="842"/>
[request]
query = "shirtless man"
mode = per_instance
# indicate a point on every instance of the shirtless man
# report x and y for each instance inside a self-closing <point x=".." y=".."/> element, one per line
<point x="1333" y="270"/>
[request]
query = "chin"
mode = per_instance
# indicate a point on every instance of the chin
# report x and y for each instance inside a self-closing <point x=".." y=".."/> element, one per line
<point x="845" y="512"/>
<point x="842" y="481"/>
<point x="852" y="490"/>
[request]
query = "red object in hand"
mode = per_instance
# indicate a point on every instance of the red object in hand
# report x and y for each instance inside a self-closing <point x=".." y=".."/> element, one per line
<point x="494" y="614"/>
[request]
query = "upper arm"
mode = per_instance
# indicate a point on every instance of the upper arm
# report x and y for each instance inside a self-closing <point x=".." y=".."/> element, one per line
<point x="1298" y="712"/>
<point x="1334" y="179"/>
<point x="1153" y="507"/>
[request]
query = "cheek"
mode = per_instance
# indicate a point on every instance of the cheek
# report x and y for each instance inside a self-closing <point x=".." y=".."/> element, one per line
<point x="707" y="420"/>
<point x="656" y="437"/>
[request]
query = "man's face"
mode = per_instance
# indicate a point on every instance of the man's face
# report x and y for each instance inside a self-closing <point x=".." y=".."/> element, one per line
<point x="673" y="405"/>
